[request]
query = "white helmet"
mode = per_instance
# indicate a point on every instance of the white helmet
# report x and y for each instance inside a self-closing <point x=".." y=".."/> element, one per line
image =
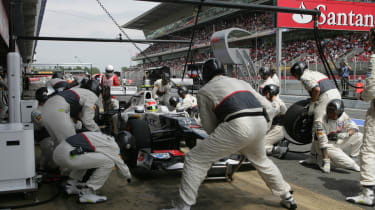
<point x="109" y="69"/>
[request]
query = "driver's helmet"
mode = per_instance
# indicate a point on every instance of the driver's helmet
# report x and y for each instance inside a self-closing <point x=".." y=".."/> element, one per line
<point x="151" y="105"/>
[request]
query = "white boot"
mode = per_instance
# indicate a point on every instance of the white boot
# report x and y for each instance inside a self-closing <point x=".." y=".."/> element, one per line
<point x="179" y="205"/>
<point x="366" y="197"/>
<point x="287" y="201"/>
<point x="73" y="187"/>
<point x="87" y="195"/>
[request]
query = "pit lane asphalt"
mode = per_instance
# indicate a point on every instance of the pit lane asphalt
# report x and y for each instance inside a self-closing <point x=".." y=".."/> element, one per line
<point x="154" y="190"/>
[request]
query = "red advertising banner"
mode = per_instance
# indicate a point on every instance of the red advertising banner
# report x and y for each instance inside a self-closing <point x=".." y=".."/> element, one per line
<point x="336" y="15"/>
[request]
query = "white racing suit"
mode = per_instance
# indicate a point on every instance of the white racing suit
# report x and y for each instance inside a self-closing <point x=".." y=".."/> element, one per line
<point x="367" y="153"/>
<point x="161" y="92"/>
<point x="57" y="84"/>
<point x="100" y="152"/>
<point x="275" y="78"/>
<point x="328" y="91"/>
<point x="188" y="102"/>
<point x="328" y="134"/>
<point x="277" y="131"/>
<point x="58" y="109"/>
<point x="46" y="144"/>
<point x="232" y="114"/>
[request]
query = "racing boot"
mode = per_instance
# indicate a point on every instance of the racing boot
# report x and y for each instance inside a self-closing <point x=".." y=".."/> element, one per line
<point x="179" y="205"/>
<point x="287" y="201"/>
<point x="73" y="187"/>
<point x="366" y="197"/>
<point x="88" y="195"/>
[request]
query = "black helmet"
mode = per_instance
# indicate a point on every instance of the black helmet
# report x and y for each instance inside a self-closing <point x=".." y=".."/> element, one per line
<point x="94" y="86"/>
<point x="337" y="106"/>
<point x="165" y="76"/>
<point x="211" y="68"/>
<point x="84" y="82"/>
<point x="264" y="72"/>
<point x="173" y="101"/>
<point x="298" y="68"/>
<point x="57" y="74"/>
<point x="182" y="91"/>
<point x="272" y="89"/>
<point x="41" y="94"/>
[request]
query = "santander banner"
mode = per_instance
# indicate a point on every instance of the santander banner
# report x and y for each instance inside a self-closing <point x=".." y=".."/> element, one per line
<point x="336" y="15"/>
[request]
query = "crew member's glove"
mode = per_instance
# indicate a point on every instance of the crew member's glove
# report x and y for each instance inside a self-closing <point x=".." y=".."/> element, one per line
<point x="343" y="135"/>
<point x="160" y="93"/>
<point x="326" y="167"/>
<point x="332" y="136"/>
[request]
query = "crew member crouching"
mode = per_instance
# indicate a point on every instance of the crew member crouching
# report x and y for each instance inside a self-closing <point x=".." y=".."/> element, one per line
<point x="277" y="131"/>
<point x="85" y="151"/>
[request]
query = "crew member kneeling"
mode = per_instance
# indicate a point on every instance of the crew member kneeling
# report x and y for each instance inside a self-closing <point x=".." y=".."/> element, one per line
<point x="232" y="114"/>
<point x="85" y="151"/>
<point x="336" y="128"/>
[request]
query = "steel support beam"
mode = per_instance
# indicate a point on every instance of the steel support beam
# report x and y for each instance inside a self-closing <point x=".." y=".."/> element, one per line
<point x="238" y="5"/>
<point x="76" y="39"/>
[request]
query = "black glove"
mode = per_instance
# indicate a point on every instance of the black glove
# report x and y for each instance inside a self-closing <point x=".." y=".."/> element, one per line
<point x="160" y="93"/>
<point x="77" y="151"/>
<point x="332" y="136"/>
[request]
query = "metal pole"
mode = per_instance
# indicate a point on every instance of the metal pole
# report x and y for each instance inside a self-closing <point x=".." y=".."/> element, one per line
<point x="284" y="77"/>
<point x="355" y="69"/>
<point x="77" y="39"/>
<point x="279" y="38"/>
<point x="14" y="86"/>
<point x="14" y="70"/>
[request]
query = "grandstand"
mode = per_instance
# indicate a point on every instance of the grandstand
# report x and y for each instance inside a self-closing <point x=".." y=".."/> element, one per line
<point x="175" y="21"/>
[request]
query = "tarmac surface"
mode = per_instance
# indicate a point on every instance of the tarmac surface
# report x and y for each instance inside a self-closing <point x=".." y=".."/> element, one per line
<point x="155" y="189"/>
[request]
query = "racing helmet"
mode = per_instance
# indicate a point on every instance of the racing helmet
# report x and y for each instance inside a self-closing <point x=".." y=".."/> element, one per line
<point x="182" y="91"/>
<point x="298" y="68"/>
<point x="150" y="105"/>
<point x="272" y="89"/>
<point x="41" y="94"/>
<point x="57" y="74"/>
<point x="211" y="68"/>
<point x="84" y="82"/>
<point x="173" y="101"/>
<point x="94" y="86"/>
<point x="264" y="72"/>
<point x="335" y="107"/>
<point x="165" y="77"/>
<point x="109" y="69"/>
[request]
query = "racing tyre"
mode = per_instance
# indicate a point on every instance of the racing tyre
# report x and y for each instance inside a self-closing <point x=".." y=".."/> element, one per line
<point x="140" y="130"/>
<point x="297" y="123"/>
<point x="141" y="137"/>
<point x="126" y="142"/>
